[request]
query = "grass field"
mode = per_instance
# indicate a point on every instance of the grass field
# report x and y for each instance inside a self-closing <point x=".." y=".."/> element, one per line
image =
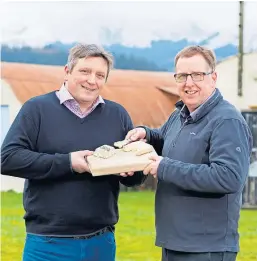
<point x="134" y="234"/>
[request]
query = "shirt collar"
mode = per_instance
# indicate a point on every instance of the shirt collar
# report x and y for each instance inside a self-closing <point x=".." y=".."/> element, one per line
<point x="64" y="94"/>
<point x="193" y="113"/>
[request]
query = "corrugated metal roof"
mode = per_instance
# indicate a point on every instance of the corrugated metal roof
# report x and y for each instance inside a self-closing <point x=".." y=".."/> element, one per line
<point x="140" y="92"/>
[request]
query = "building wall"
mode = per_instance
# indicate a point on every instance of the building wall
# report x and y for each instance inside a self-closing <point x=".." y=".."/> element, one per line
<point x="5" y="121"/>
<point x="8" y="98"/>
<point x="228" y="81"/>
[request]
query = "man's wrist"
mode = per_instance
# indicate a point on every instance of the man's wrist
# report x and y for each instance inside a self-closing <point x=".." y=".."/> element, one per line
<point x="72" y="171"/>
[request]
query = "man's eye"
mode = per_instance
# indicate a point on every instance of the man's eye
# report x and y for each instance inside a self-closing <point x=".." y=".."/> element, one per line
<point x="181" y="76"/>
<point x="197" y="74"/>
<point x="85" y="71"/>
<point x="101" y="76"/>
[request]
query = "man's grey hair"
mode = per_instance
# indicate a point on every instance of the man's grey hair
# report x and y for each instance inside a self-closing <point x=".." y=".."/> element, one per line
<point x="80" y="51"/>
<point x="193" y="50"/>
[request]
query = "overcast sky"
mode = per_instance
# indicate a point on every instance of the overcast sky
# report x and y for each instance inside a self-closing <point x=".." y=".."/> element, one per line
<point x="130" y="23"/>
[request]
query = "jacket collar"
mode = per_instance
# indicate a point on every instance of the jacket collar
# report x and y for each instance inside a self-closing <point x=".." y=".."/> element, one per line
<point x="202" y="110"/>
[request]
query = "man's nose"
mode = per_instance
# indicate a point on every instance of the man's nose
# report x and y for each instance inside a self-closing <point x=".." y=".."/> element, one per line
<point x="91" y="79"/>
<point x="189" y="81"/>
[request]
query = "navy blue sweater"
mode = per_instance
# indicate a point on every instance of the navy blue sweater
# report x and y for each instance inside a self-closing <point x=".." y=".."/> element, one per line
<point x="37" y="147"/>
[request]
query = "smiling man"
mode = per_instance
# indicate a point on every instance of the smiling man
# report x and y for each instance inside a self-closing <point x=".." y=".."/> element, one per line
<point x="205" y="149"/>
<point x="70" y="215"/>
<point x="196" y="78"/>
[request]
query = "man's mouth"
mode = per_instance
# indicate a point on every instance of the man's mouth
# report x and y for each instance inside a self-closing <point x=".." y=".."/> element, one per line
<point x="88" y="89"/>
<point x="190" y="92"/>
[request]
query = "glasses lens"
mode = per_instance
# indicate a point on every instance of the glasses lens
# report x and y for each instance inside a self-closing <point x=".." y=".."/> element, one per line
<point x="197" y="77"/>
<point x="181" y="77"/>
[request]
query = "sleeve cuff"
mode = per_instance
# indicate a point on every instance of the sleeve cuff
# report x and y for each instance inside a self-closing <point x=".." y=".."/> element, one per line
<point x="161" y="169"/>
<point x="71" y="169"/>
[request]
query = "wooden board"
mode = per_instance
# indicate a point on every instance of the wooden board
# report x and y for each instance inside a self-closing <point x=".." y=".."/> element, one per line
<point x="120" y="162"/>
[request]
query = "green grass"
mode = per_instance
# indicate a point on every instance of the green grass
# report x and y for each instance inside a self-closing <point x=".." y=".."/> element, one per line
<point x="134" y="234"/>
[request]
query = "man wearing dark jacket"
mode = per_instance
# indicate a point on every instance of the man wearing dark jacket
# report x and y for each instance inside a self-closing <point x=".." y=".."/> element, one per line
<point x="70" y="215"/>
<point x="205" y="147"/>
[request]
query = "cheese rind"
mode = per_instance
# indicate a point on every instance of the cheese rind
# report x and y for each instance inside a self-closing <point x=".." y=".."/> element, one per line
<point x="133" y="146"/>
<point x="139" y="147"/>
<point x="121" y="144"/>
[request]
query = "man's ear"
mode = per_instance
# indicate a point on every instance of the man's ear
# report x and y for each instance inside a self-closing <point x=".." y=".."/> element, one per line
<point x="214" y="77"/>
<point x="66" y="72"/>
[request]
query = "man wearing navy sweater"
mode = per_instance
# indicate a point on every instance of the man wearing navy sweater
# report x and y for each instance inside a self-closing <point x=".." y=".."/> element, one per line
<point x="70" y="215"/>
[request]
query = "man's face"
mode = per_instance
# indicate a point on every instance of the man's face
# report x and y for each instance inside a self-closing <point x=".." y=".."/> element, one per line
<point x="86" y="79"/>
<point x="194" y="93"/>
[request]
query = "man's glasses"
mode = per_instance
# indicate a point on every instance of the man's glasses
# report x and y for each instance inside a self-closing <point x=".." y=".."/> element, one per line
<point x="196" y="76"/>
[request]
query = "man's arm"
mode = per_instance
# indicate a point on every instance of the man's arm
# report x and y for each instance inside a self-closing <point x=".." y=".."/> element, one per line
<point x="230" y="149"/>
<point x="155" y="137"/>
<point x="19" y="157"/>
<point x="138" y="178"/>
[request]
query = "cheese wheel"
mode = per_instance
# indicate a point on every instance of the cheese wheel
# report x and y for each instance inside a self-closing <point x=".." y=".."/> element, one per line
<point x="104" y="152"/>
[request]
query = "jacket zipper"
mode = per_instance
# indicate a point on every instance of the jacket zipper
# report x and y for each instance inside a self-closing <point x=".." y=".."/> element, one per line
<point x="175" y="140"/>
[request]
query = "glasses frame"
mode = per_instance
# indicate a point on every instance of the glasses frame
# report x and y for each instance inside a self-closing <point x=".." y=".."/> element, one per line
<point x="187" y="74"/>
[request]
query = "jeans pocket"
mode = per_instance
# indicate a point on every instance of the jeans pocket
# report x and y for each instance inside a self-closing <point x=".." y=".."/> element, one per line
<point x="39" y="239"/>
<point x="109" y="237"/>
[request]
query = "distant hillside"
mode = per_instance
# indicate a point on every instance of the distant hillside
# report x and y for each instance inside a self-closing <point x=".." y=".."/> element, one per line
<point x="158" y="57"/>
<point x="51" y="55"/>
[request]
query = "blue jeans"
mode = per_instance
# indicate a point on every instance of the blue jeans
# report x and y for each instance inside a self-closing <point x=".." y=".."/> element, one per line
<point x="44" y="248"/>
